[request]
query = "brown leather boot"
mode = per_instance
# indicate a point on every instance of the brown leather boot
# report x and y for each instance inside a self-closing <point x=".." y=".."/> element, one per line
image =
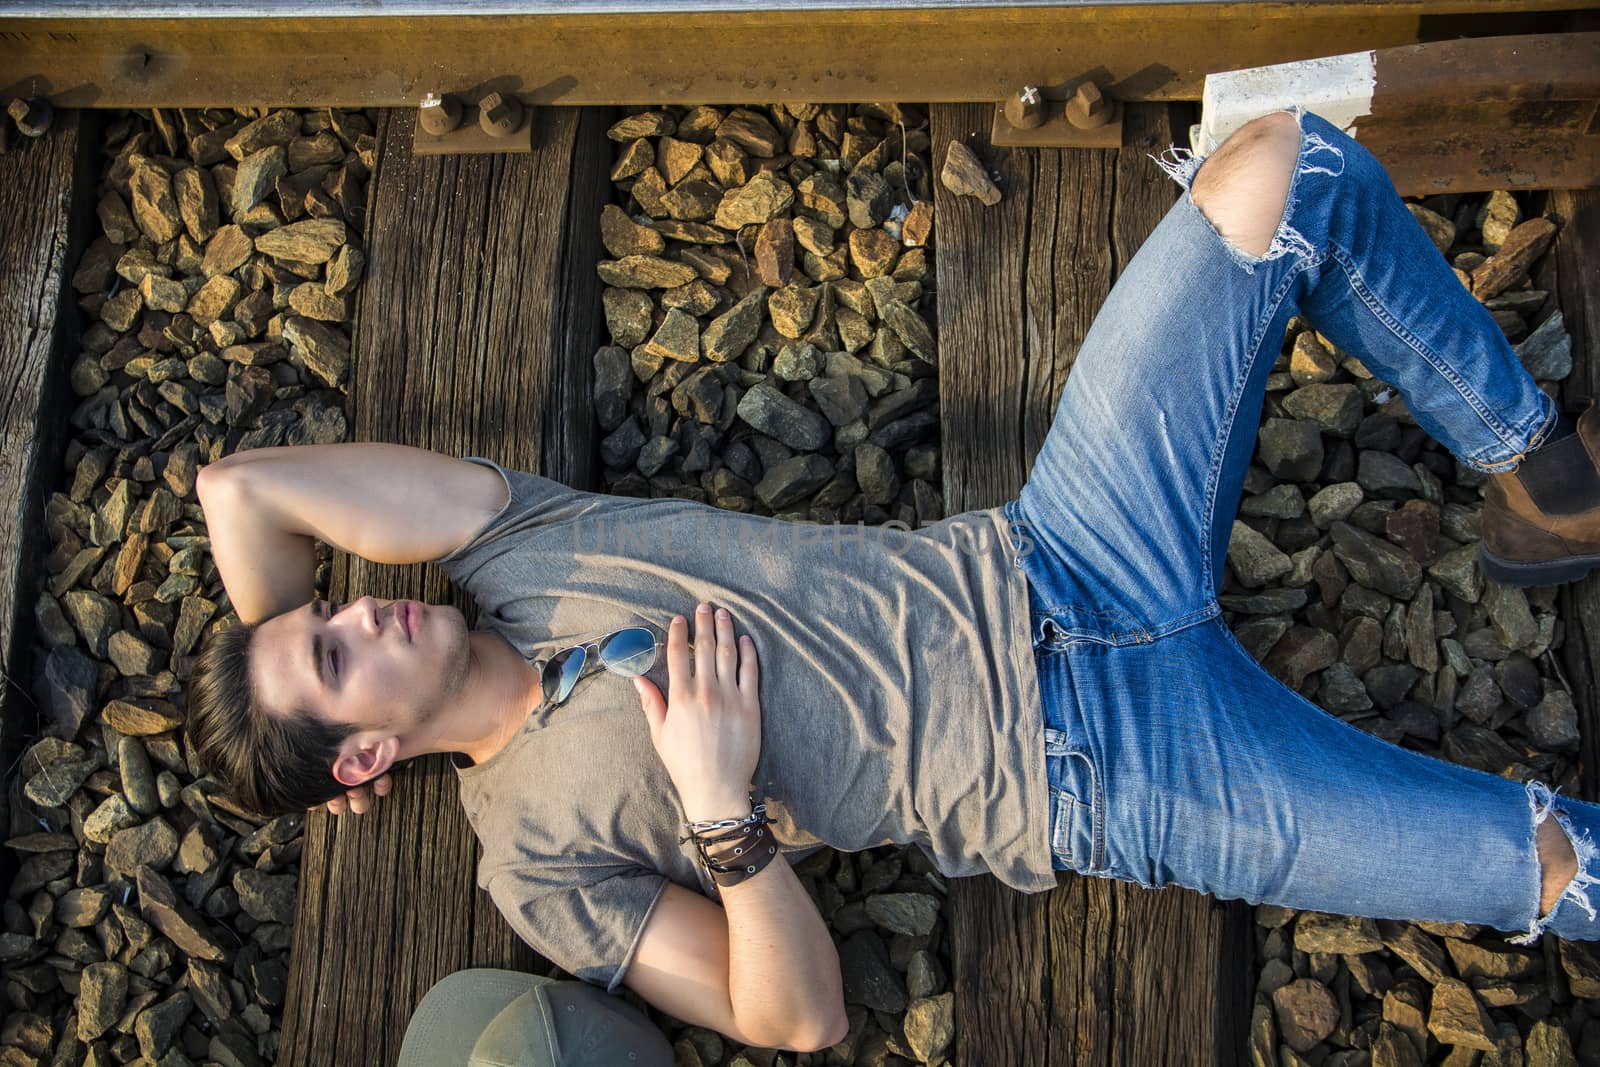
<point x="1541" y="522"/>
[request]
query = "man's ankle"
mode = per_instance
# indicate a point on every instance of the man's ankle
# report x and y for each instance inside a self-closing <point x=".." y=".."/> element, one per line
<point x="1560" y="476"/>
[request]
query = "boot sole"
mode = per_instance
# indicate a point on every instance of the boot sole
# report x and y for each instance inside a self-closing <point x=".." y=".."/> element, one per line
<point x="1524" y="574"/>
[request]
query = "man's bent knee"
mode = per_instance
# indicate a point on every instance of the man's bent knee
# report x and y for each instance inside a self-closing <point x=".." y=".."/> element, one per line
<point x="1558" y="864"/>
<point x="1243" y="187"/>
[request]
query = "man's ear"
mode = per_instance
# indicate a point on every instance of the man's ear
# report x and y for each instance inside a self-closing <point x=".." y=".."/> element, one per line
<point x="364" y="757"/>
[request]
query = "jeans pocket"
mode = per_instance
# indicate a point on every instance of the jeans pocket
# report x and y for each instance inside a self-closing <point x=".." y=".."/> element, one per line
<point x="1075" y="804"/>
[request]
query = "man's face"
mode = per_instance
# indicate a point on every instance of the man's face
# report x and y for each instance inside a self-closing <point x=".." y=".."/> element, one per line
<point x="384" y="665"/>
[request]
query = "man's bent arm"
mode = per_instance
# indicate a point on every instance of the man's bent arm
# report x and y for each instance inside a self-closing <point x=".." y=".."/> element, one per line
<point x="783" y="969"/>
<point x="386" y="503"/>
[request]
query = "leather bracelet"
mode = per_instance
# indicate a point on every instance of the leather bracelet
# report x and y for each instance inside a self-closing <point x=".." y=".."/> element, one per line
<point x="740" y="858"/>
<point x="728" y="851"/>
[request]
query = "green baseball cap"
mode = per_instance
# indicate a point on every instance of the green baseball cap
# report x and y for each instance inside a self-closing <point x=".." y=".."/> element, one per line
<point x="492" y="1018"/>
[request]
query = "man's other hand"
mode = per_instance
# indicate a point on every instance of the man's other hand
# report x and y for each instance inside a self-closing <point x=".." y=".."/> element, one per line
<point x="356" y="801"/>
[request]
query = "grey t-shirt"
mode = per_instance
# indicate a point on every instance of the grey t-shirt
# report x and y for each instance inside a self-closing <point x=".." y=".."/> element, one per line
<point x="899" y="701"/>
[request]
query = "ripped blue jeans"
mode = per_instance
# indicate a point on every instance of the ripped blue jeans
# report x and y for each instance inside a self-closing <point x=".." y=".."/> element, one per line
<point x="1172" y="756"/>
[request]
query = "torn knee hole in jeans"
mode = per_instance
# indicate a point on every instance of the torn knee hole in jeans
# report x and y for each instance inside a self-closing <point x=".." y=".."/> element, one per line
<point x="1184" y="163"/>
<point x="1541" y="803"/>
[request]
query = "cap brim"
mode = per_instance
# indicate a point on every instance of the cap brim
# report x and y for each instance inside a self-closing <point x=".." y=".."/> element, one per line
<point x="455" y="1012"/>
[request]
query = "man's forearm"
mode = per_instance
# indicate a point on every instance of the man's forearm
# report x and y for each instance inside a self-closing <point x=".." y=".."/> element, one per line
<point x="783" y="969"/>
<point x="385" y="503"/>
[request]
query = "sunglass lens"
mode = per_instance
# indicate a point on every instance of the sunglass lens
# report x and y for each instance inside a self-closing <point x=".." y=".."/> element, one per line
<point x="629" y="652"/>
<point x="561" y="674"/>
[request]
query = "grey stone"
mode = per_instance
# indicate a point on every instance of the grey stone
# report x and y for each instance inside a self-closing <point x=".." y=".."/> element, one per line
<point x="793" y="479"/>
<point x="58" y="780"/>
<point x="1255" y="560"/>
<point x="152" y="844"/>
<point x="875" y="473"/>
<point x="730" y="333"/>
<point x="159" y="1025"/>
<point x="869" y="198"/>
<point x="114" y="813"/>
<point x="913" y="914"/>
<point x="1417" y="949"/>
<point x="1342" y="691"/>
<point x="83" y="907"/>
<point x="1383" y="474"/>
<point x="1374" y="562"/>
<point x="621" y="447"/>
<point x="138" y="781"/>
<point x="1335" y="409"/>
<point x="71" y="680"/>
<point x="792" y="308"/>
<point x="1553" y="723"/>
<point x="797" y="361"/>
<point x="645" y="272"/>
<point x="266" y="897"/>
<point x="1509" y="612"/>
<point x="773" y="413"/>
<point x="841" y="400"/>
<point x="1457" y="571"/>
<point x="1334" y="503"/>
<point x="1291" y="449"/>
<point x="1269" y="602"/>
<point x="1547" y="352"/>
<point x="867" y="976"/>
<point x="1280" y="502"/>
<point x="102" y="990"/>
<point x="1301" y="652"/>
<point x="174" y="918"/>
<point x="628" y="315"/>
<point x="613" y="384"/>
<point x="911" y="328"/>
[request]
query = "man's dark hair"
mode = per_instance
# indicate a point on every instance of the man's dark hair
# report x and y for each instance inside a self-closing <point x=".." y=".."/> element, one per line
<point x="274" y="764"/>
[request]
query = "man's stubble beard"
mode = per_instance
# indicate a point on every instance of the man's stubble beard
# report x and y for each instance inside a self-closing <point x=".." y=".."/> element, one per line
<point x="454" y="664"/>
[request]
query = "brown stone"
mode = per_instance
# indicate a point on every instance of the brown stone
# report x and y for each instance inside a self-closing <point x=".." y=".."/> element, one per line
<point x="1306" y="1012"/>
<point x="312" y="241"/>
<point x="174" y="918"/>
<point x="227" y="250"/>
<point x="775" y="252"/>
<point x="1510" y="265"/>
<point x="214" y="299"/>
<point x="873" y="251"/>
<point x="155" y="208"/>
<point x="917" y="227"/>
<point x="676" y="158"/>
<point x="964" y="175"/>
<point x="197" y="202"/>
<point x="624" y="237"/>
<point x="1457" y="1018"/>
<point x="277" y="128"/>
<point x="633" y="159"/>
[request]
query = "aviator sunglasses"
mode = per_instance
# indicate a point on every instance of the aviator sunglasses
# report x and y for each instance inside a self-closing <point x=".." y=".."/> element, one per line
<point x="629" y="652"/>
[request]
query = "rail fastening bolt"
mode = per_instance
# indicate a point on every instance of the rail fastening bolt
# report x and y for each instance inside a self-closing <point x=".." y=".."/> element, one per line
<point x="499" y="115"/>
<point x="1026" y="108"/>
<point x="1089" y="108"/>
<point x="439" y="113"/>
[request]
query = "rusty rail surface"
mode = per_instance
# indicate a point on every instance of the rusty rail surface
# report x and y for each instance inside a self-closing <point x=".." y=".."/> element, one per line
<point x="389" y="53"/>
